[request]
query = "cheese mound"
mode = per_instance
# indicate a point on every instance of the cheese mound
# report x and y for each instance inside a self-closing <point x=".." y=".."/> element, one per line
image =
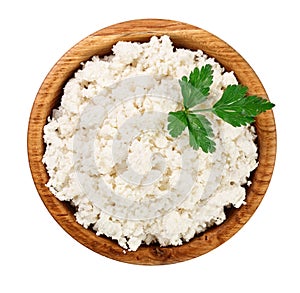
<point x="109" y="153"/>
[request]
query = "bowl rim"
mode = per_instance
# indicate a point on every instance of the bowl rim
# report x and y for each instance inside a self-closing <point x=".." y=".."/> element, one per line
<point x="101" y="43"/>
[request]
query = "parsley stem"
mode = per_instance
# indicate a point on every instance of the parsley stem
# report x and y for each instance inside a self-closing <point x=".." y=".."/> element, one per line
<point x="201" y="110"/>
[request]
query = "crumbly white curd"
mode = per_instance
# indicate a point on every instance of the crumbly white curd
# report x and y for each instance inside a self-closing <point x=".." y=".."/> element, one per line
<point x="109" y="153"/>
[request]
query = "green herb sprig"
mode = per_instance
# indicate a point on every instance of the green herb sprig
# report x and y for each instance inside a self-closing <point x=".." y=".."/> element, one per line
<point x="234" y="107"/>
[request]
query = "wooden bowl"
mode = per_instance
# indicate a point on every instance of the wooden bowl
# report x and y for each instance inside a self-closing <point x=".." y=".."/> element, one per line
<point x="100" y="43"/>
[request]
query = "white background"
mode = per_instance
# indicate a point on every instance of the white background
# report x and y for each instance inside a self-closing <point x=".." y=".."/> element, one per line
<point x="36" y="255"/>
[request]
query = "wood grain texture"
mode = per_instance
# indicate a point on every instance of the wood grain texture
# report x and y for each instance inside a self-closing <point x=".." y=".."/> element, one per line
<point x="100" y="43"/>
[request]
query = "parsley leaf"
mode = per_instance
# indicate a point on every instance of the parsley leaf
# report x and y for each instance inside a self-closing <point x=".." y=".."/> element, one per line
<point x="196" y="89"/>
<point x="177" y="123"/>
<point x="200" y="132"/>
<point x="237" y="109"/>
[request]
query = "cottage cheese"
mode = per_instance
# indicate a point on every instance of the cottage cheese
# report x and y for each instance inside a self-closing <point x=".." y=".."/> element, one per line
<point x="108" y="151"/>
